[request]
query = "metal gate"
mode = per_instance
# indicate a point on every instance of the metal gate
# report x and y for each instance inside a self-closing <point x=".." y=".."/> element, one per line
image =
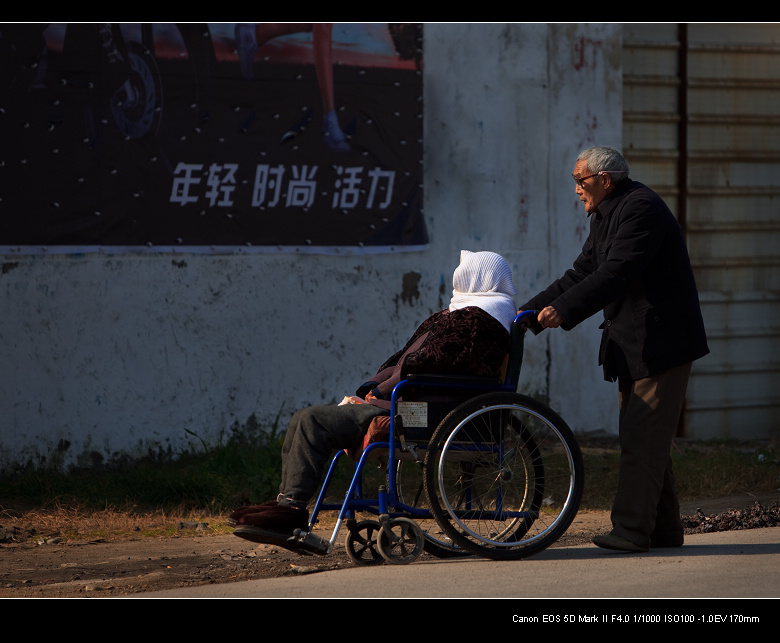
<point x="701" y="125"/>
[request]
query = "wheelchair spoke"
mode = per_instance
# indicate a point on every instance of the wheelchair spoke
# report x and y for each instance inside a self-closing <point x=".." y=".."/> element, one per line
<point x="503" y="476"/>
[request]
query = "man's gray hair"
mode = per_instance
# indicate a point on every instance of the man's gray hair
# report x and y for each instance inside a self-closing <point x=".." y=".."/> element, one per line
<point x="604" y="159"/>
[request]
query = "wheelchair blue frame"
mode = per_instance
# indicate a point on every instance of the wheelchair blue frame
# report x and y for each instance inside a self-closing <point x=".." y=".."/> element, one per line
<point x="387" y="502"/>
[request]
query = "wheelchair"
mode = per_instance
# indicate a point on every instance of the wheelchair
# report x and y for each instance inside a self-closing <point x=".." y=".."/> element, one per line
<point x="494" y="474"/>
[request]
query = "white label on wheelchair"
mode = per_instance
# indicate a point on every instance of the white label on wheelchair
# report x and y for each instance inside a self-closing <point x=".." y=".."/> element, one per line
<point x="414" y="414"/>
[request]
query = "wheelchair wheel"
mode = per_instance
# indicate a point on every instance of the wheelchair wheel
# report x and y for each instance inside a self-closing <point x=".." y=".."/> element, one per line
<point x="361" y="543"/>
<point x="401" y="541"/>
<point x="503" y="476"/>
<point x="410" y="489"/>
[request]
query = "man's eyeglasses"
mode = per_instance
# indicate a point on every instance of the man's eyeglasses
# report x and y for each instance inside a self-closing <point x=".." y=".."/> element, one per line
<point x="580" y="181"/>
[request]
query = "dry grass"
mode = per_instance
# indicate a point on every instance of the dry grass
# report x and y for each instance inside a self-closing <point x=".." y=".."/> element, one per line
<point x="702" y="470"/>
<point x="83" y="523"/>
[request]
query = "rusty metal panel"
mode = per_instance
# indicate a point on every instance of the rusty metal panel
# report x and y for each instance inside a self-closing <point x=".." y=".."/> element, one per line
<point x="713" y="152"/>
<point x="734" y="392"/>
<point x="651" y="106"/>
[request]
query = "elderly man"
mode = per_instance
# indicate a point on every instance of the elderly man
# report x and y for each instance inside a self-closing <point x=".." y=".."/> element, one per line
<point x="470" y="337"/>
<point x="635" y="267"/>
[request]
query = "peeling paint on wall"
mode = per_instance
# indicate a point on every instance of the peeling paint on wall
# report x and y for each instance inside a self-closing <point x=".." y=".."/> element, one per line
<point x="410" y="291"/>
<point x="410" y="288"/>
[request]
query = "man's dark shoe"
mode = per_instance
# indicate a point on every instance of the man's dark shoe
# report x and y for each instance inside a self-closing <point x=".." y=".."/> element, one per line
<point x="617" y="543"/>
<point x="234" y="517"/>
<point x="274" y="526"/>
<point x="658" y="543"/>
<point x="280" y="517"/>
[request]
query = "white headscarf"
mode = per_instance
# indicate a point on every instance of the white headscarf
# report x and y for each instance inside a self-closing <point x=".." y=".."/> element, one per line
<point x="484" y="279"/>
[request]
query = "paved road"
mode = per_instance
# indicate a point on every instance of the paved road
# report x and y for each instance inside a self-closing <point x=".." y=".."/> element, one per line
<point x="733" y="564"/>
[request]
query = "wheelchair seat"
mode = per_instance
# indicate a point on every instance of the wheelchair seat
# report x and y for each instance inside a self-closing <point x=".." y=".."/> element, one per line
<point x="460" y="387"/>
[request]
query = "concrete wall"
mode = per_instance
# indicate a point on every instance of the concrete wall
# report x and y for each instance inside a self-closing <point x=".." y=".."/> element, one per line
<point x="108" y="356"/>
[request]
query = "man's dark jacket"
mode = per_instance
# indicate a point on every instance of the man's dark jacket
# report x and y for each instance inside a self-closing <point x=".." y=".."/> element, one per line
<point x="635" y="267"/>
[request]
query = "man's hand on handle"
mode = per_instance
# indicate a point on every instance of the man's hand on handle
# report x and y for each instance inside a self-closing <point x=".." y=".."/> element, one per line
<point x="549" y="318"/>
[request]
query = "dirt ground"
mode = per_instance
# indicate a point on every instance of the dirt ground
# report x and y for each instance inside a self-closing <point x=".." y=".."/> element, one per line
<point x="66" y="569"/>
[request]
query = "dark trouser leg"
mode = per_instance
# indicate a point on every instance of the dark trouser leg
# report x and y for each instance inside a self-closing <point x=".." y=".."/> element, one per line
<point x="646" y="502"/>
<point x="668" y="528"/>
<point x="312" y="436"/>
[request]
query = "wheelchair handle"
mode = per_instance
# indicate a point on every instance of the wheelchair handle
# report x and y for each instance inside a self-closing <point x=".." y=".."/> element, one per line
<point x="523" y="314"/>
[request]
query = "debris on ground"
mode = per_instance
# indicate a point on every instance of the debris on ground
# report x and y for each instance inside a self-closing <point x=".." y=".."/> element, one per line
<point x="752" y="517"/>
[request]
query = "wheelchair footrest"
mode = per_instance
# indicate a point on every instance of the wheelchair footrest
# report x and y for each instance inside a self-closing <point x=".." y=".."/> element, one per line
<point x="300" y="542"/>
<point x="311" y="543"/>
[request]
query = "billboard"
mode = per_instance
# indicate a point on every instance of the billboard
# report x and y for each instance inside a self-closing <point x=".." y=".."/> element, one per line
<point x="211" y="137"/>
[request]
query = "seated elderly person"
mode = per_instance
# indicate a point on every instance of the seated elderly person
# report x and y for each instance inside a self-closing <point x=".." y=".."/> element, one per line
<point x="471" y="337"/>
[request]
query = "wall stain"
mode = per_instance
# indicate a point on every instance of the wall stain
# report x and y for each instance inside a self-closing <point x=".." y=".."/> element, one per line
<point x="410" y="287"/>
<point x="8" y="266"/>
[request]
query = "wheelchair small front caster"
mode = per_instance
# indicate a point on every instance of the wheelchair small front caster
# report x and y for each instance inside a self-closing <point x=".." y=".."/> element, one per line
<point x="361" y="542"/>
<point x="401" y="541"/>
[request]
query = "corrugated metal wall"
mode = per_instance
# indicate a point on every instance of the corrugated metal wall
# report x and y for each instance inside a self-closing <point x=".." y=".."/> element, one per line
<point x="702" y="127"/>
